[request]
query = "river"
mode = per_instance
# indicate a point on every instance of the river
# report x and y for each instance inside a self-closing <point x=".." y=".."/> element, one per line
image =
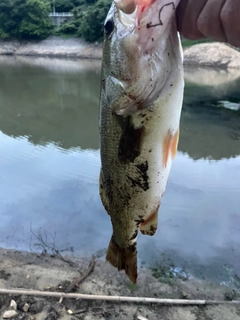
<point x="49" y="168"/>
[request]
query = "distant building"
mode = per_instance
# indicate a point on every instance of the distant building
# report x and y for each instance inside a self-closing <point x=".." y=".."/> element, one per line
<point x="58" y="17"/>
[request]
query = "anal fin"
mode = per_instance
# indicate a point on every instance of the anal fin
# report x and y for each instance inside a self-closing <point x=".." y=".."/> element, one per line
<point x="149" y="226"/>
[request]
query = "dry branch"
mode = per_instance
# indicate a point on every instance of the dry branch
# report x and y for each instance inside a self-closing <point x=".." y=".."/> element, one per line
<point x="79" y="280"/>
<point x="114" y="298"/>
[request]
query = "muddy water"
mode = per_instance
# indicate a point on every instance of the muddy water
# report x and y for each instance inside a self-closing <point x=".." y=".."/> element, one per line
<point x="49" y="166"/>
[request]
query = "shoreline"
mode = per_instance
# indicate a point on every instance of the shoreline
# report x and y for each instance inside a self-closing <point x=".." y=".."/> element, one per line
<point x="208" y="55"/>
<point x="45" y="272"/>
<point x="52" y="47"/>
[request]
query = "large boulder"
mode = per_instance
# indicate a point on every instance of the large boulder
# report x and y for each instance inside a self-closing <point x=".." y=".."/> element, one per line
<point x="218" y="55"/>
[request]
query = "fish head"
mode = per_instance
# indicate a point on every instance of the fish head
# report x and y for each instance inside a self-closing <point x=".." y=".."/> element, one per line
<point x="136" y="54"/>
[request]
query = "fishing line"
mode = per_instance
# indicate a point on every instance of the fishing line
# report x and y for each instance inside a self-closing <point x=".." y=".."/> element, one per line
<point x="150" y="25"/>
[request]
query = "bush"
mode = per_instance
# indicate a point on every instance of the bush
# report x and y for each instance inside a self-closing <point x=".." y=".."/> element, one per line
<point x="92" y="20"/>
<point x="68" y="27"/>
<point x="35" y="23"/>
<point x="25" y="19"/>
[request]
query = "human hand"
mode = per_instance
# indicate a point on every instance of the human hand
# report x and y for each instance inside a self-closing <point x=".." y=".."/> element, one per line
<point x="215" y="19"/>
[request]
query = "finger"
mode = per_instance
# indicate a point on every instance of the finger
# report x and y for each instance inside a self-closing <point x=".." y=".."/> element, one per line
<point x="209" y="22"/>
<point x="230" y="15"/>
<point x="187" y="16"/>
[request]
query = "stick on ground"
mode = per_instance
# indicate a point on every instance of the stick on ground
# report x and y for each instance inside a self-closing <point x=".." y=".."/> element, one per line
<point x="79" y="280"/>
<point x="114" y="298"/>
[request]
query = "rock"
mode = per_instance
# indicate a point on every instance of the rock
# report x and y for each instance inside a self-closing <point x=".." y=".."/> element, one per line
<point x="26" y="307"/>
<point x="217" y="55"/>
<point x="13" y="305"/>
<point x="37" y="306"/>
<point x="10" y="314"/>
<point x="52" y="316"/>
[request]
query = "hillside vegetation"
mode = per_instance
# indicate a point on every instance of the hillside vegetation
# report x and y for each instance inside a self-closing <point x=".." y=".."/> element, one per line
<point x="29" y="19"/>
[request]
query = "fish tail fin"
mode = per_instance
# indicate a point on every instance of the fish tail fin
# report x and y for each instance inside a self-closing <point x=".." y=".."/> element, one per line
<point x="149" y="226"/>
<point x="123" y="258"/>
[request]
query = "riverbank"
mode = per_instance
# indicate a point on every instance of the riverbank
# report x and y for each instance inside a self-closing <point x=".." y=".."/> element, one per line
<point x="217" y="55"/>
<point x="32" y="271"/>
<point x="53" y="47"/>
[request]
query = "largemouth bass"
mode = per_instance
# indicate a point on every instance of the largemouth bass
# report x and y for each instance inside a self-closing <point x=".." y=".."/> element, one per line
<point x="140" y="106"/>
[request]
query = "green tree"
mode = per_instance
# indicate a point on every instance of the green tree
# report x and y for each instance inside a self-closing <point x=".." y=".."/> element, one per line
<point x="35" y="23"/>
<point x="65" y="5"/>
<point x="26" y="19"/>
<point x="92" y="20"/>
<point x="10" y="17"/>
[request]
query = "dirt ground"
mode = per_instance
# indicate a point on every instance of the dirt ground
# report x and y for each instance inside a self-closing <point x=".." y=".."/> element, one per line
<point x="44" y="272"/>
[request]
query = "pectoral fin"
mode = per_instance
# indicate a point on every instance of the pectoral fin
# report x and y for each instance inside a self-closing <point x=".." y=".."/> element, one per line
<point x="170" y="144"/>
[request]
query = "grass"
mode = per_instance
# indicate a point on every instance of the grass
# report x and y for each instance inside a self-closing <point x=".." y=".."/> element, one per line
<point x="163" y="274"/>
<point x="188" y="43"/>
<point x="131" y="286"/>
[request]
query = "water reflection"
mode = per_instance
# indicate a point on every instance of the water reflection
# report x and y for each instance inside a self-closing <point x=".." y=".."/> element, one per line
<point x="50" y="163"/>
<point x="50" y="103"/>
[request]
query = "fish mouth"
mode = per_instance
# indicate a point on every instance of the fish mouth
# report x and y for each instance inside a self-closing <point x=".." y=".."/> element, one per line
<point x="133" y="11"/>
<point x="127" y="12"/>
<point x="144" y="13"/>
<point x="126" y="6"/>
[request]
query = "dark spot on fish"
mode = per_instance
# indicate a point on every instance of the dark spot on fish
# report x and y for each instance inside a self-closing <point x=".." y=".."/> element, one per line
<point x="140" y="181"/>
<point x="134" y="235"/>
<point x="171" y="85"/>
<point x="140" y="105"/>
<point x="143" y="168"/>
<point x="108" y="184"/>
<point x="143" y="115"/>
<point x="135" y="182"/>
<point x="168" y="54"/>
<point x="150" y="151"/>
<point x="103" y="83"/>
<point x="152" y="230"/>
<point x="139" y="220"/>
<point x="131" y="140"/>
<point x="152" y="39"/>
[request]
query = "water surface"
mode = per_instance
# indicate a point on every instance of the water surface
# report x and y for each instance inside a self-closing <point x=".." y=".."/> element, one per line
<point x="49" y="168"/>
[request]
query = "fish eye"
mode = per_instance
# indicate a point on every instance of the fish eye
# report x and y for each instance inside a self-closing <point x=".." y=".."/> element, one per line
<point x="109" y="26"/>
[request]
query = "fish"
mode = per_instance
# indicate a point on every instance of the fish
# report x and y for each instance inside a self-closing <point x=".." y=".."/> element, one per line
<point x="140" y="106"/>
